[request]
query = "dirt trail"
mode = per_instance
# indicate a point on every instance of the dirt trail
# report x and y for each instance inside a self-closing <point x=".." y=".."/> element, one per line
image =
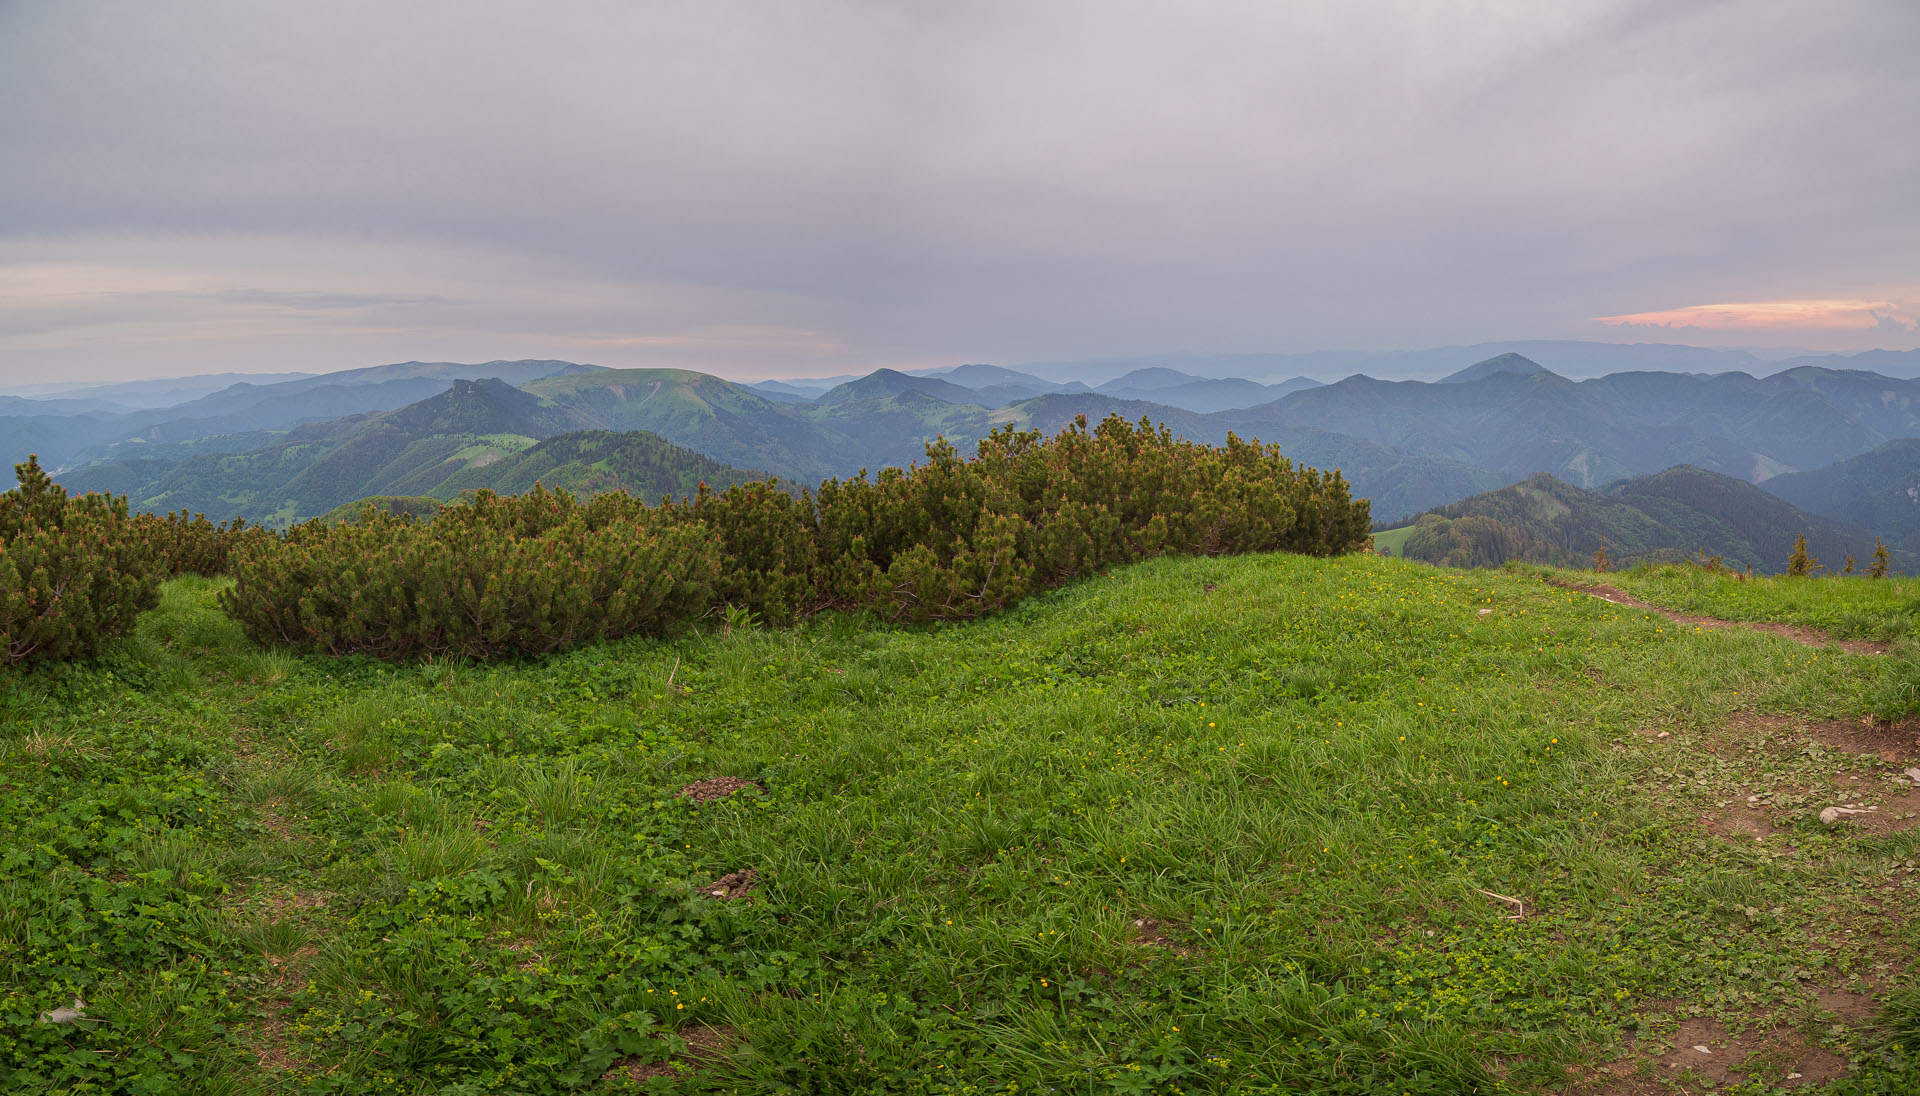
<point x="1812" y="637"/>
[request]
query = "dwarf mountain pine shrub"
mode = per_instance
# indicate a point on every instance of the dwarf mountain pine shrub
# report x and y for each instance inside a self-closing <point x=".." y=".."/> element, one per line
<point x="189" y="544"/>
<point x="74" y="572"/>
<point x="948" y="539"/>
<point x="490" y="578"/>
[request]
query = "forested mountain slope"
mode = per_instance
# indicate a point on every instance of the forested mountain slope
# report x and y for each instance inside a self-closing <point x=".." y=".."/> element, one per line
<point x="1878" y="490"/>
<point x="1678" y="513"/>
<point x="476" y="434"/>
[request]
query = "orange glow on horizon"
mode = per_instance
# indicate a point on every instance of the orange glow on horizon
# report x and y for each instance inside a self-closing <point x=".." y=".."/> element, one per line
<point x="1788" y="315"/>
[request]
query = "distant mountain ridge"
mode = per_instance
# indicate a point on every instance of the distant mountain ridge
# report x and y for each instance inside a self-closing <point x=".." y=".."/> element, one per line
<point x="1878" y="490"/>
<point x="1504" y="363"/>
<point x="1569" y="357"/>
<point x="1674" y="514"/>
<point x="1407" y="445"/>
<point x="1592" y="432"/>
<point x="66" y="440"/>
<point x="483" y="433"/>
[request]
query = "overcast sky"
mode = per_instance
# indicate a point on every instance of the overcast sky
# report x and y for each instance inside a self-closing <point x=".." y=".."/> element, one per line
<point x="790" y="188"/>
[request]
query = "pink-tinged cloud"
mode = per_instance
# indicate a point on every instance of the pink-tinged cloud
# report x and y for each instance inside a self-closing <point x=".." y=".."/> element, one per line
<point x="1791" y="315"/>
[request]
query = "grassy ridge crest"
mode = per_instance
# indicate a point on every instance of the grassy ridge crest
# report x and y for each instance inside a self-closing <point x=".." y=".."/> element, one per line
<point x="1206" y="825"/>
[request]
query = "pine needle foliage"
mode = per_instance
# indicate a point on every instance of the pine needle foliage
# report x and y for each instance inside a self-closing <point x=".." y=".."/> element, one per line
<point x="189" y="544"/>
<point x="1801" y="564"/>
<point x="949" y="539"/>
<point x="74" y="571"/>
<point x="498" y="576"/>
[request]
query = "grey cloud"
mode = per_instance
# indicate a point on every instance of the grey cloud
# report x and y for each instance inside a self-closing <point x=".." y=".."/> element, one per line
<point x="1012" y="180"/>
<point x="318" y="302"/>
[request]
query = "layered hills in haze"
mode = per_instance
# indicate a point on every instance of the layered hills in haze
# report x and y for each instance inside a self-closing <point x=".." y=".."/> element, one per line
<point x="1878" y="490"/>
<point x="476" y="434"/>
<point x="69" y="440"/>
<point x="279" y="452"/>
<point x="1680" y="513"/>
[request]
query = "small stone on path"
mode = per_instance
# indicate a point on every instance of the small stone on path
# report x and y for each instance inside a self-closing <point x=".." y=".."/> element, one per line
<point x="1834" y="814"/>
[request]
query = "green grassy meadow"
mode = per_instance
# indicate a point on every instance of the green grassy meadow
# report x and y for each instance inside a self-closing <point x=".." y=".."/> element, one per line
<point x="1264" y="824"/>
<point x="1849" y="607"/>
<point x="1393" y="540"/>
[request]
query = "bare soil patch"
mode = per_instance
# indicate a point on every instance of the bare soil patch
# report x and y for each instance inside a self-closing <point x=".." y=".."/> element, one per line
<point x="1890" y="742"/>
<point x="1742" y="822"/>
<point x="1887" y="740"/>
<point x="1705" y="1056"/>
<point x="1876" y="807"/>
<point x="277" y="823"/>
<point x="705" y="1045"/>
<point x="1854" y="1009"/>
<point x="1812" y="637"/>
<point x="275" y="905"/>
<point x="733" y="886"/>
<point x="716" y="787"/>
<point x="281" y="903"/>
<point x="1147" y="933"/>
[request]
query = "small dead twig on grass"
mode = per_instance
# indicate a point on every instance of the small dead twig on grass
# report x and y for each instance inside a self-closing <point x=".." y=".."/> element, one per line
<point x="1522" y="906"/>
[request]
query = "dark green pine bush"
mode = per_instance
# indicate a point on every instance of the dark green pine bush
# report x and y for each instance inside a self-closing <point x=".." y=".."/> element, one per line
<point x="189" y="544"/>
<point x="74" y="572"/>
<point x="948" y="539"/>
<point x="494" y="577"/>
<point x="954" y="539"/>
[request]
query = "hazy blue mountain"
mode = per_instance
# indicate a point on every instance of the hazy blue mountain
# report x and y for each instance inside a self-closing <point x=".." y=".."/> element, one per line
<point x="513" y="372"/>
<point x="1408" y="445"/>
<point x="786" y="393"/>
<point x="67" y="441"/>
<point x="882" y="383"/>
<point x="983" y="393"/>
<point x="1208" y="396"/>
<point x="1674" y="514"/>
<point x="489" y="432"/>
<point x="315" y="467"/>
<point x="165" y="392"/>
<point x="1504" y="363"/>
<point x="1878" y="490"/>
<point x="1149" y="379"/>
<point x="1568" y="357"/>
<point x="1591" y="432"/>
<point x="57" y="405"/>
<point x="995" y="376"/>
<point x="1904" y="364"/>
<point x="1158" y="384"/>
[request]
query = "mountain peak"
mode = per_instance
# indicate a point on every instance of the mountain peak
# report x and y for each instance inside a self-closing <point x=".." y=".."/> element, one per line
<point x="1503" y="363"/>
<point x="1147" y="379"/>
<point x="882" y="383"/>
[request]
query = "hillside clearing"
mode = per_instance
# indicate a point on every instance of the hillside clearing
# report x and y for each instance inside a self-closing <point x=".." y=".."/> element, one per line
<point x="1204" y="825"/>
